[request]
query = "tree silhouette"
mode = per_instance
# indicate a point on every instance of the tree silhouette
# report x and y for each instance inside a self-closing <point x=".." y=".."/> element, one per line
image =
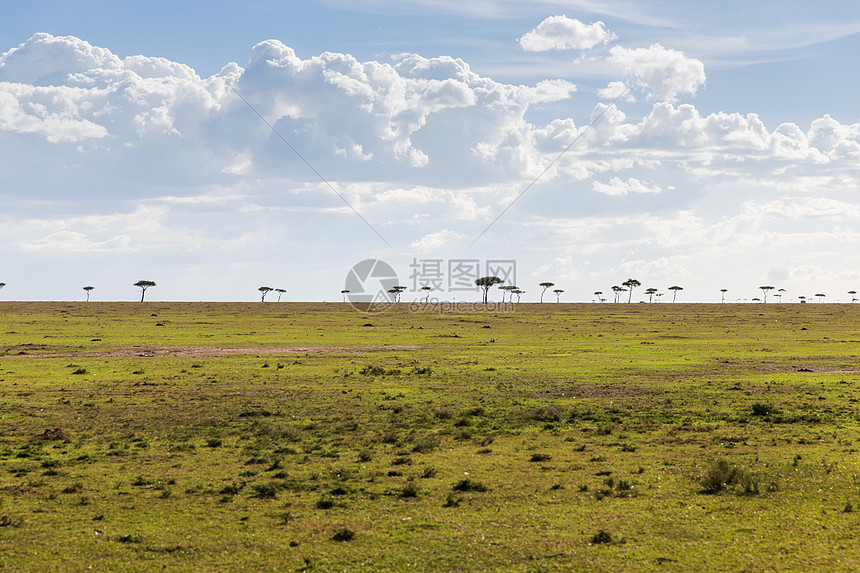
<point x="280" y="291"/>
<point x="723" y="292"/>
<point x="558" y="292"/>
<point x="764" y="289"/>
<point x="486" y="283"/>
<point x="852" y="293"/>
<point x="778" y="295"/>
<point x="264" y="290"/>
<point x="506" y="289"/>
<point x="617" y="290"/>
<point x="598" y="294"/>
<point x="2" y="285"/>
<point x="631" y="284"/>
<point x="517" y="292"/>
<point x="343" y="294"/>
<point x="545" y="286"/>
<point x="675" y="288"/>
<point x="395" y="292"/>
<point x="88" y="289"/>
<point x="143" y="285"/>
<point x="820" y="296"/>
<point x="427" y="290"/>
<point x="802" y="298"/>
<point x="650" y="292"/>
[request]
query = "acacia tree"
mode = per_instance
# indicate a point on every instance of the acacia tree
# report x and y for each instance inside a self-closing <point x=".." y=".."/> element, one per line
<point x="143" y="285"/>
<point x="558" y="292"/>
<point x="507" y="289"/>
<point x="343" y="294"/>
<point x="650" y="292"/>
<point x="280" y="291"/>
<point x="427" y="290"/>
<point x="545" y="286"/>
<point x="820" y="296"/>
<point x="2" y="285"/>
<point x="631" y="284"/>
<point x="675" y="288"/>
<point x="617" y="290"/>
<point x="486" y="283"/>
<point x="778" y="295"/>
<point x="598" y="294"/>
<point x="395" y="292"/>
<point x="264" y="290"/>
<point x="852" y="293"/>
<point x="764" y="289"/>
<point x="723" y="292"/>
<point x="88" y="289"/>
<point x="517" y="292"/>
<point x="802" y="298"/>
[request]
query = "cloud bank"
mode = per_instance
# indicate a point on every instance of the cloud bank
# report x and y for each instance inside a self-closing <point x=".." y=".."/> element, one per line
<point x="138" y="155"/>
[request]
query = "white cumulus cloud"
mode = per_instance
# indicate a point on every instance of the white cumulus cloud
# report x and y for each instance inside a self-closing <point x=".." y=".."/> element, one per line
<point x="662" y="72"/>
<point x="563" y="33"/>
<point x="618" y="188"/>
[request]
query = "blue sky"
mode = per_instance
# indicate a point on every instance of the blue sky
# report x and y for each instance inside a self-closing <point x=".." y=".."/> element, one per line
<point x="731" y="161"/>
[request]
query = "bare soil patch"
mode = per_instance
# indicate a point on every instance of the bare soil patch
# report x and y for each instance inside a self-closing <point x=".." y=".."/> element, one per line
<point x="180" y="351"/>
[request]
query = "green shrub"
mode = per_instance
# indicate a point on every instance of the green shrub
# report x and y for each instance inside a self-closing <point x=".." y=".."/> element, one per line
<point x="469" y="485"/>
<point x="601" y="537"/>
<point x="344" y="535"/>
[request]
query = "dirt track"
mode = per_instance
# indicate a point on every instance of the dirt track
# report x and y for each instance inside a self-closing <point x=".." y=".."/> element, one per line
<point x="178" y="351"/>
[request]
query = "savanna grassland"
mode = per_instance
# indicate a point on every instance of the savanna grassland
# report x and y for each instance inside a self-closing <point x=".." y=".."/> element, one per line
<point x="310" y="437"/>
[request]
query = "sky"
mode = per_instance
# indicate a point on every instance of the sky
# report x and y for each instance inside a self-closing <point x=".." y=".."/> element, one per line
<point x="218" y="147"/>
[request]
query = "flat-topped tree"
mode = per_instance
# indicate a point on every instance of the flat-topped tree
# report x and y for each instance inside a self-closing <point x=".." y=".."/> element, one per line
<point x="280" y="291"/>
<point x="723" y="292"/>
<point x="631" y="284"/>
<point x="650" y="292"/>
<point x="545" y="286"/>
<point x="675" y="288"/>
<point x="143" y="285"/>
<point x="486" y="283"/>
<point x="427" y="290"/>
<point x="820" y="296"/>
<point x="343" y="294"/>
<point x="88" y="290"/>
<point x="764" y="290"/>
<point x="558" y="292"/>
<point x="2" y="285"/>
<point x="852" y="293"/>
<point x="264" y="290"/>
<point x="507" y="289"/>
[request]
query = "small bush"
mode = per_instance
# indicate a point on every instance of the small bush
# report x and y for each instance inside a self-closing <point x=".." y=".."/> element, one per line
<point x="761" y="409"/>
<point x="544" y="414"/>
<point x="344" y="535"/>
<point x="428" y="473"/>
<point x="409" y="490"/>
<point x="540" y="458"/>
<point x="324" y="503"/>
<point x="601" y="537"/>
<point x="722" y="475"/>
<point x="718" y="476"/>
<point x="265" y="490"/>
<point x="469" y="485"/>
<point x="452" y="500"/>
<point x="426" y="444"/>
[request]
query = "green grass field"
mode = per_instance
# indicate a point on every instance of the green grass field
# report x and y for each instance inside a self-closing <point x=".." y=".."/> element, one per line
<point x="310" y="437"/>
